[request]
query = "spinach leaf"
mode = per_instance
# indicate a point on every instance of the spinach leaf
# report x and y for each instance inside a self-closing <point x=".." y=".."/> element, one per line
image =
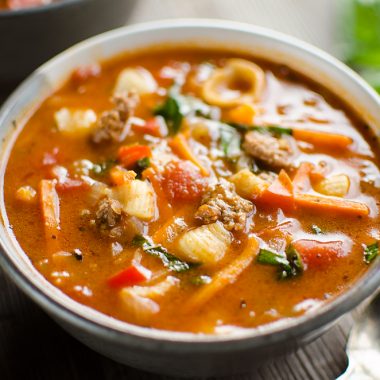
<point x="170" y="261"/>
<point x="268" y="257"/>
<point x="289" y="265"/>
<point x="170" y="111"/>
<point x="177" y="106"/>
<point x="141" y="165"/>
<point x="295" y="266"/>
<point x="272" y="129"/>
<point x="370" y="252"/>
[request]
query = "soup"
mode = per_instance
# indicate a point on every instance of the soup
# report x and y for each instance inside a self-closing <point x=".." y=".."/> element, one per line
<point x="196" y="191"/>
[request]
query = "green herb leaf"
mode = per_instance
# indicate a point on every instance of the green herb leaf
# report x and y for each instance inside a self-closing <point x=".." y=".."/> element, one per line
<point x="289" y="265"/>
<point x="240" y="127"/>
<point x="295" y="262"/>
<point x="272" y="129"/>
<point x="200" y="280"/>
<point x="141" y="165"/>
<point x="268" y="257"/>
<point x="316" y="230"/>
<point x="370" y="252"/>
<point x="177" y="106"/>
<point x="170" y="261"/>
<point x="170" y="111"/>
<point x="140" y="241"/>
<point x="230" y="141"/>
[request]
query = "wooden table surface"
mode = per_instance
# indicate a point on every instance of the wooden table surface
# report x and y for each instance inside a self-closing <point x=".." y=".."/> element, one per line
<point x="32" y="346"/>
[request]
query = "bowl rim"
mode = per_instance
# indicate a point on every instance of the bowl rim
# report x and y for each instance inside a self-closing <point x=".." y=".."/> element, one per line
<point x="19" y="12"/>
<point x="191" y="342"/>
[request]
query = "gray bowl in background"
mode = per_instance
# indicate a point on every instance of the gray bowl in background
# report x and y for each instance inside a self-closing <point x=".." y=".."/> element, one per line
<point x="30" y="36"/>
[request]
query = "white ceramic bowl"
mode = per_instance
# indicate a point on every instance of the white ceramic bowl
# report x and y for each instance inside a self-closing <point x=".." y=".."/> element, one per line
<point x="180" y="354"/>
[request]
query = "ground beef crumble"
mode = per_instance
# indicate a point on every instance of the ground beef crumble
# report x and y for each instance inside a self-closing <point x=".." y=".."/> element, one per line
<point x="272" y="151"/>
<point x="222" y="203"/>
<point x="108" y="213"/>
<point x="112" y="124"/>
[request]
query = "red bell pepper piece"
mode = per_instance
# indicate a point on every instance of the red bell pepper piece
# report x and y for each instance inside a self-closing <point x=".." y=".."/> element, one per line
<point x="133" y="275"/>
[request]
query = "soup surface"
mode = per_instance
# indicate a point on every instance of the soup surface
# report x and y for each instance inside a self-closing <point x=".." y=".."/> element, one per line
<point x="195" y="191"/>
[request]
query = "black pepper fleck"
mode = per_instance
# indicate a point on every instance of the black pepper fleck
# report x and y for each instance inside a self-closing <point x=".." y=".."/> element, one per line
<point x="78" y="254"/>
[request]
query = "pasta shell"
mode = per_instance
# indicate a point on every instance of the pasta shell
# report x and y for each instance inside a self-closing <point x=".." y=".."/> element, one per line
<point x="141" y="301"/>
<point x="206" y="244"/>
<point x="75" y="122"/>
<point x="137" y="199"/>
<point x="337" y="185"/>
<point x="247" y="184"/>
<point x="138" y="80"/>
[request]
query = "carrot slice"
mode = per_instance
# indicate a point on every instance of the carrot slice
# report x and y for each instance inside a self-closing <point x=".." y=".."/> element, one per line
<point x="318" y="254"/>
<point x="160" y="234"/>
<point x="225" y="277"/>
<point x="165" y="209"/>
<point x="49" y="204"/>
<point x="326" y="139"/>
<point x="301" y="180"/>
<point x="242" y="114"/>
<point x="326" y="204"/>
<point x="280" y="193"/>
<point x="129" y="155"/>
<point x="119" y="175"/>
<point x="181" y="147"/>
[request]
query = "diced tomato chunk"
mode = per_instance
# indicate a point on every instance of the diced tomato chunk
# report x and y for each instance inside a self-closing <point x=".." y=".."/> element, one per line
<point x="183" y="181"/>
<point x="133" y="275"/>
<point x="129" y="155"/>
<point x="72" y="184"/>
<point x="319" y="254"/>
<point x="85" y="72"/>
